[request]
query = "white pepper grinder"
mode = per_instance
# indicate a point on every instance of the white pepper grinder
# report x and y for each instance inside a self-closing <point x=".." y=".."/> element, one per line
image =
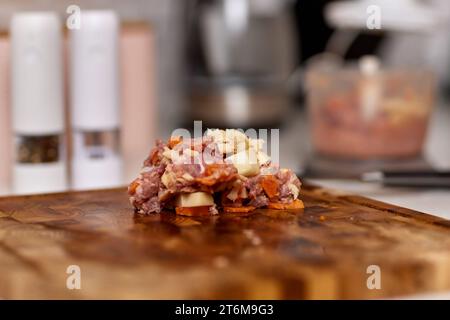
<point x="37" y="103"/>
<point x="95" y="113"/>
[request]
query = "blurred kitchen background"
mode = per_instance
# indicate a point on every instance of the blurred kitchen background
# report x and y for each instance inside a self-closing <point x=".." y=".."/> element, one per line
<point x="350" y="94"/>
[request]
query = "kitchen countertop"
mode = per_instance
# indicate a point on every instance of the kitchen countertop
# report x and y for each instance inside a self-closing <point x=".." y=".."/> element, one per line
<point x="437" y="153"/>
<point x="320" y="252"/>
<point x="294" y="154"/>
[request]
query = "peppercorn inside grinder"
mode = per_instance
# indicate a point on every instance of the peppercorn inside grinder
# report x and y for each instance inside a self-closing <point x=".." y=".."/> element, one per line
<point x="37" y="103"/>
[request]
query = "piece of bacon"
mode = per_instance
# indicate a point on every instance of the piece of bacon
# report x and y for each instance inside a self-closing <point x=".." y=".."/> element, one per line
<point x="173" y="141"/>
<point x="156" y="154"/>
<point x="238" y="209"/>
<point x="217" y="173"/>
<point x="194" y="211"/>
<point x="270" y="185"/>
<point x="296" y="204"/>
<point x="133" y="186"/>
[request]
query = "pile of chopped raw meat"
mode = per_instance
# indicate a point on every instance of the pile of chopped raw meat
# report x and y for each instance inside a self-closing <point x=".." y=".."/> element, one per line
<point x="224" y="169"/>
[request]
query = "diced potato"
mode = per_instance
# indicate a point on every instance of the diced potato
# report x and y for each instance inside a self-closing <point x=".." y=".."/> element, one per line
<point x="167" y="153"/>
<point x="246" y="153"/>
<point x="186" y="176"/>
<point x="225" y="148"/>
<point x="248" y="156"/>
<point x="294" y="190"/>
<point x="246" y="162"/>
<point x="235" y="136"/>
<point x="228" y="141"/>
<point x="247" y="170"/>
<point x="263" y="157"/>
<point x="168" y="178"/>
<point x="195" y="199"/>
<point x="190" y="153"/>
<point x="217" y="134"/>
<point x="256" y="144"/>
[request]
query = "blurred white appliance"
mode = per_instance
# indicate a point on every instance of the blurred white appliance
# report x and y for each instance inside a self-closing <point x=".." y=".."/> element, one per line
<point x="418" y="30"/>
<point x="95" y="113"/>
<point x="242" y="52"/>
<point x="5" y="130"/>
<point x="37" y="103"/>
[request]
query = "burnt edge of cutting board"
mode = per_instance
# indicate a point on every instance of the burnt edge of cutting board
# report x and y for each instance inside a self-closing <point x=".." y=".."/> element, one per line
<point x="320" y="252"/>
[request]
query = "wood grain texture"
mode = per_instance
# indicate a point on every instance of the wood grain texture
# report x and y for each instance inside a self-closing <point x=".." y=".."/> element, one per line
<point x="322" y="251"/>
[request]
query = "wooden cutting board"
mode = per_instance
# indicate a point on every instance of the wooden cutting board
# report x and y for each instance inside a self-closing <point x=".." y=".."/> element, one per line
<point x="323" y="251"/>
